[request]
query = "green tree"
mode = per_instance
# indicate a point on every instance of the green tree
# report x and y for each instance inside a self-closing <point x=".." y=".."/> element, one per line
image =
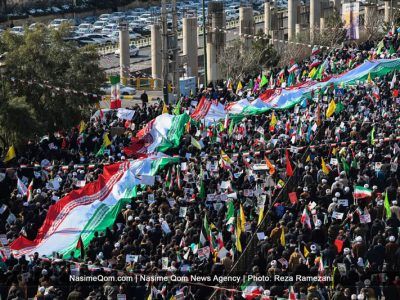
<point x="39" y="78"/>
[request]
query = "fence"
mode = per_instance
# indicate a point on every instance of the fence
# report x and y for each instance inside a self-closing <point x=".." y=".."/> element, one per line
<point x="146" y="41"/>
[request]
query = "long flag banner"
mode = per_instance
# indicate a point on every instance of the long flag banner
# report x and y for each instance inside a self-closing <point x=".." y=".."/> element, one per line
<point x="208" y="111"/>
<point x="89" y="209"/>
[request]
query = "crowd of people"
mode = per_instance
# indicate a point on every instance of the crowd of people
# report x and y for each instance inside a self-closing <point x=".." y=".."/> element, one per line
<point x="301" y="209"/>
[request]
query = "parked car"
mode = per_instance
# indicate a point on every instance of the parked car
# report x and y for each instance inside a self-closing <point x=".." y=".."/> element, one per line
<point x="104" y="17"/>
<point x="133" y="51"/>
<point x="99" y="25"/>
<point x="19" y="30"/>
<point x="56" y="23"/>
<point x="114" y="36"/>
<point x="85" y="28"/>
<point x="99" y="38"/>
<point x="108" y="29"/>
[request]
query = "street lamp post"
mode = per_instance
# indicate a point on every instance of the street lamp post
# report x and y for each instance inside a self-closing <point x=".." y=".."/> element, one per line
<point x="205" y="46"/>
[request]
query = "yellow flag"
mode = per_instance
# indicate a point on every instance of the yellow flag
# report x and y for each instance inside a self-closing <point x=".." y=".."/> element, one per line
<point x="331" y="109"/>
<point x="225" y="157"/>
<point x="242" y="218"/>
<point x="308" y="158"/>
<point x="369" y="78"/>
<point x="82" y="126"/>
<point x="165" y="108"/>
<point x="260" y="215"/>
<point x="283" y="241"/>
<point x="334" y="150"/>
<point x="10" y="154"/>
<point x="312" y="73"/>
<point x="238" y="233"/>
<point x="106" y="140"/>
<point x="306" y="252"/>
<point x="325" y="169"/>
<point x="239" y="87"/>
<point x="274" y="120"/>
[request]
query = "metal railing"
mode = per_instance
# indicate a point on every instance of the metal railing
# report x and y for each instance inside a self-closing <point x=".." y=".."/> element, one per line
<point x="146" y="41"/>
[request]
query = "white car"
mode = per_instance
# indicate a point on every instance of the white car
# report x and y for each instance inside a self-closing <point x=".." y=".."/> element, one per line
<point x="133" y="51"/>
<point x="108" y="29"/>
<point x="104" y="17"/>
<point x="99" y="25"/>
<point x="85" y="28"/>
<point x="19" y="30"/>
<point x="98" y="38"/>
<point x="114" y="36"/>
<point x="123" y="90"/>
<point x="56" y="23"/>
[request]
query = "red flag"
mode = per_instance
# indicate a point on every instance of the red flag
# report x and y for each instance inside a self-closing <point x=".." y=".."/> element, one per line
<point x="289" y="170"/>
<point x="339" y="245"/>
<point x="293" y="198"/>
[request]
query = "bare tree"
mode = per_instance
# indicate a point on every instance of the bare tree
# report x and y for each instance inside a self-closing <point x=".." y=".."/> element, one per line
<point x="250" y="61"/>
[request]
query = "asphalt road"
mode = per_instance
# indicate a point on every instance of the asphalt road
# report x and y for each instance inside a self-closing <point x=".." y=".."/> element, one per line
<point x="110" y="63"/>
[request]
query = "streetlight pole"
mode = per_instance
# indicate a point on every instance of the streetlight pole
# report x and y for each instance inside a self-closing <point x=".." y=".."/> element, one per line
<point x="205" y="46"/>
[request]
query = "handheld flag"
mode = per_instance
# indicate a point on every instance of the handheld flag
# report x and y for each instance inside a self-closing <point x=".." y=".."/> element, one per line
<point x="289" y="170"/>
<point x="165" y="108"/>
<point x="386" y="204"/>
<point x="270" y="166"/>
<point x="325" y="169"/>
<point x="282" y="238"/>
<point x="264" y="81"/>
<point x="331" y="109"/>
<point x="239" y="87"/>
<point x="10" y="154"/>
<point x="81" y="246"/>
<point x="242" y="218"/>
<point x="273" y="122"/>
<point x="373" y="136"/>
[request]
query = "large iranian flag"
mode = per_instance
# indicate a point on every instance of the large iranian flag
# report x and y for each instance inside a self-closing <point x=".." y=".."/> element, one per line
<point x="361" y="192"/>
<point x="89" y="209"/>
<point x="160" y="134"/>
<point x="208" y="111"/>
<point x="250" y="290"/>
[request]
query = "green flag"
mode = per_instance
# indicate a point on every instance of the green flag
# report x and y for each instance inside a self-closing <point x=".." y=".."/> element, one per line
<point x="177" y="109"/>
<point x="202" y="192"/>
<point x="339" y="108"/>
<point x="320" y="72"/>
<point x="230" y="130"/>
<point x="230" y="215"/>
<point x="380" y="46"/>
<point x="373" y="136"/>
<point x="346" y="166"/>
<point x="354" y="164"/>
<point x="205" y="231"/>
<point x="386" y="204"/>
<point x="264" y="81"/>
<point x="391" y="50"/>
<point x="250" y="85"/>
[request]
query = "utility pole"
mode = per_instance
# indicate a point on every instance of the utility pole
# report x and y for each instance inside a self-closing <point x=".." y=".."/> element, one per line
<point x="205" y="46"/>
<point x="164" y="51"/>
<point x="175" y="50"/>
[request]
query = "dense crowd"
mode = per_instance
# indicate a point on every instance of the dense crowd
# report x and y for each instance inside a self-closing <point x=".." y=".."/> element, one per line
<point x="311" y="222"/>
